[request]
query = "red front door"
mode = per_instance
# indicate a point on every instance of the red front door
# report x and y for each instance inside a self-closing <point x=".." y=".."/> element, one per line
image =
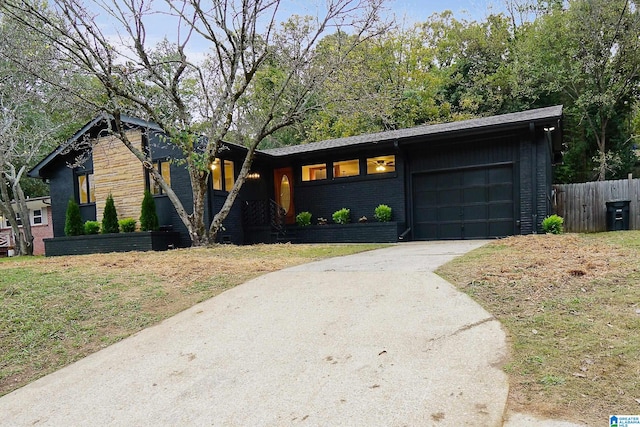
<point x="283" y="181"/>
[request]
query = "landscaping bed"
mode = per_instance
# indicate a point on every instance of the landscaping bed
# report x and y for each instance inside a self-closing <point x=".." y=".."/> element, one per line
<point x="112" y="242"/>
<point x="369" y="232"/>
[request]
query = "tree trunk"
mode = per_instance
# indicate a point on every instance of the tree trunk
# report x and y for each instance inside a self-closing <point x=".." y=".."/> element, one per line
<point x="25" y="237"/>
<point x="222" y="214"/>
<point x="196" y="227"/>
<point x="602" y="147"/>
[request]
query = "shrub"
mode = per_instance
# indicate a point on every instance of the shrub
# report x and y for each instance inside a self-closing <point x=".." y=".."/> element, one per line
<point x="127" y="225"/>
<point x="148" y="216"/>
<point x="110" y="217"/>
<point x="91" y="227"/>
<point x="382" y="213"/>
<point x="73" y="225"/>
<point x="553" y="224"/>
<point x="342" y="216"/>
<point x="303" y="219"/>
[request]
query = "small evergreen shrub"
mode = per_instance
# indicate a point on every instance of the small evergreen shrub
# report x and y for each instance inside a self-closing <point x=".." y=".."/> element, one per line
<point x="553" y="224"/>
<point x="382" y="213"/>
<point x="91" y="227"/>
<point x="73" y="225"/>
<point x="342" y="216"/>
<point x="303" y="219"/>
<point x="127" y="225"/>
<point x="110" y="217"/>
<point x="148" y="216"/>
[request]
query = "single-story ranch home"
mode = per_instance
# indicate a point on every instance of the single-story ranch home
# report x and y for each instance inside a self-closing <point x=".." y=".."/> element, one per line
<point x="473" y="179"/>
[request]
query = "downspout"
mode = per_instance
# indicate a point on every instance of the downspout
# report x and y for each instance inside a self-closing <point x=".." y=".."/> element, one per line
<point x="534" y="178"/>
<point x="408" y="192"/>
<point x="550" y="202"/>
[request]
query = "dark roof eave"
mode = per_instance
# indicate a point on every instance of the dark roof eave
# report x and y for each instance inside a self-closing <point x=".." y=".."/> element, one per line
<point x="465" y="127"/>
<point x="35" y="172"/>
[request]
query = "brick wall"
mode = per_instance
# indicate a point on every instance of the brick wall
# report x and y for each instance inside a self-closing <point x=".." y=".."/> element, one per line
<point x="43" y="231"/>
<point x="118" y="172"/>
<point x="361" y="196"/>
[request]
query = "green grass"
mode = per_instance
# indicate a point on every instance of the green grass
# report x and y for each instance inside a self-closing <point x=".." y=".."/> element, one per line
<point x="57" y="310"/>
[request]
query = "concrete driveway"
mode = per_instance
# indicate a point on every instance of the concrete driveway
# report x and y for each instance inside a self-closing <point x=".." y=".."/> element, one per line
<point x="374" y="339"/>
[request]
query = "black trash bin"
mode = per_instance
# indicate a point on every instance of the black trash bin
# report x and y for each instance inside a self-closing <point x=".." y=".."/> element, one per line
<point x="618" y="215"/>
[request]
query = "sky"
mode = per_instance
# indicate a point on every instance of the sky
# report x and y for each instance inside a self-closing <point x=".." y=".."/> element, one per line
<point x="407" y="12"/>
<point x="420" y="10"/>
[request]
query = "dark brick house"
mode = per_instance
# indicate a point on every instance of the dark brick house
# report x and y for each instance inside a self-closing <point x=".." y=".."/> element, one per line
<point x="480" y="178"/>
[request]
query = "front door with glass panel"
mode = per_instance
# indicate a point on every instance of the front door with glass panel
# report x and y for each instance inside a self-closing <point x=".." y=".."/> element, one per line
<point x="283" y="180"/>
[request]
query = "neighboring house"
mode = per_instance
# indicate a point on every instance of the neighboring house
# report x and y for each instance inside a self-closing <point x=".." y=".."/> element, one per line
<point x="473" y="179"/>
<point x="41" y="226"/>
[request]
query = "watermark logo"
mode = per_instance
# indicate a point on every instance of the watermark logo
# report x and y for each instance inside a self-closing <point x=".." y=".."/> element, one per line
<point x="624" y="420"/>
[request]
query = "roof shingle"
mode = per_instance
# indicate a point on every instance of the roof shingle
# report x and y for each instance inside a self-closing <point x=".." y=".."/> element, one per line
<point x="539" y="114"/>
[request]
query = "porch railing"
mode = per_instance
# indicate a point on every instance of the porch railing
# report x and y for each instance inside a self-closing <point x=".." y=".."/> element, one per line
<point x="264" y="213"/>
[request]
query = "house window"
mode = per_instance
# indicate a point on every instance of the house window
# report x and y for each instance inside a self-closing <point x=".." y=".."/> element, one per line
<point x="229" y="176"/>
<point x="86" y="188"/>
<point x="381" y="164"/>
<point x="36" y="216"/>
<point x="223" y="175"/>
<point x="164" y="167"/>
<point x="346" y="168"/>
<point x="314" y="172"/>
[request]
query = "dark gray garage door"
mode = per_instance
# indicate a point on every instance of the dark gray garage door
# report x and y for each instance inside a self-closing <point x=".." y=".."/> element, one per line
<point x="464" y="204"/>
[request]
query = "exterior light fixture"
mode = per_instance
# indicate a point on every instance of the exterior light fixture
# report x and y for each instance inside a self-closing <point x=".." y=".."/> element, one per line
<point x="551" y="129"/>
<point x="253" y="175"/>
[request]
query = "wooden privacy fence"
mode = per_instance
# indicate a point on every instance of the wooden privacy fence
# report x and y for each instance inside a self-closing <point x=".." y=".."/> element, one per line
<point x="584" y="206"/>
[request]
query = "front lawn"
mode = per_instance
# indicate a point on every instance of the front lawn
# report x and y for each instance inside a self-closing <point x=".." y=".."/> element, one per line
<point x="54" y="311"/>
<point x="571" y="307"/>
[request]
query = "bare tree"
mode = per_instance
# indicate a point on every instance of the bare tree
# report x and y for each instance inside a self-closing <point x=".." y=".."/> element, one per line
<point x="26" y="128"/>
<point x="259" y="74"/>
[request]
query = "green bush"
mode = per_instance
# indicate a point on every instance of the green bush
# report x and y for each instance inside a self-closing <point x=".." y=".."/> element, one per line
<point x="110" y="217"/>
<point x="148" y="216"/>
<point x="342" y="216"/>
<point x="553" y="224"/>
<point x="382" y="213"/>
<point x="91" y="227"/>
<point x="303" y="219"/>
<point x="127" y="225"/>
<point x="73" y="225"/>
